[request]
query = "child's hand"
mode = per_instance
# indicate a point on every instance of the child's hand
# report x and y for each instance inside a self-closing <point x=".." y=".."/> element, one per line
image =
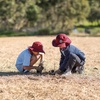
<point x="58" y="71"/>
<point x="52" y="72"/>
<point x="39" y="69"/>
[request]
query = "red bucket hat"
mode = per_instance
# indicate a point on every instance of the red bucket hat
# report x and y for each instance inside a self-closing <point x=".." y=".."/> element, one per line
<point x="61" y="41"/>
<point x="37" y="47"/>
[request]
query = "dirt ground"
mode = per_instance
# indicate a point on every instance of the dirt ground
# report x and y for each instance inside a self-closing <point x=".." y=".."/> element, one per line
<point x="16" y="86"/>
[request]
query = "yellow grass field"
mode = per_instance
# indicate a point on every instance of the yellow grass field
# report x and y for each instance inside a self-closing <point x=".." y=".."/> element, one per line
<point x="16" y="86"/>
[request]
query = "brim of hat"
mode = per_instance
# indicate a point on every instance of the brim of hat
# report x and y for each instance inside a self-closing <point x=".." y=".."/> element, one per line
<point x="35" y="50"/>
<point x="62" y="45"/>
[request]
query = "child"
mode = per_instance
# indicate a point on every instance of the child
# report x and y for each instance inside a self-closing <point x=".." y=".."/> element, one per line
<point x="29" y="57"/>
<point x="72" y="59"/>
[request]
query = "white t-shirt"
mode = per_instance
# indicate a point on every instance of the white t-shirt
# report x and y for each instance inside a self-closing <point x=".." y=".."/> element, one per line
<point x="24" y="58"/>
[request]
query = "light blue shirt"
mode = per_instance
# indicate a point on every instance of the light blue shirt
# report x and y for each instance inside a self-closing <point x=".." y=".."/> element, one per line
<point x="24" y="58"/>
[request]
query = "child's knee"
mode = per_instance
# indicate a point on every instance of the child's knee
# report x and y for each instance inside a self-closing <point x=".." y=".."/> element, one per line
<point x="72" y="55"/>
<point x="34" y="58"/>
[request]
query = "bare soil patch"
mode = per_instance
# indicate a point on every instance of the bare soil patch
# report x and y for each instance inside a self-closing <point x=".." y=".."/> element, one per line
<point x="14" y="85"/>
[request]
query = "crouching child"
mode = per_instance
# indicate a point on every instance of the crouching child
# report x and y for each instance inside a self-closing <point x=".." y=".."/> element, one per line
<point x="72" y="58"/>
<point x="28" y="57"/>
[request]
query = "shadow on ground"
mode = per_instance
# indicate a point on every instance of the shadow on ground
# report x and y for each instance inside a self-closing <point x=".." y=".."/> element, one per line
<point x="18" y="73"/>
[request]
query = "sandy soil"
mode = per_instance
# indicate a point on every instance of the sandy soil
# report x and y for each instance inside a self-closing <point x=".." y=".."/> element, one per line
<point x="16" y="86"/>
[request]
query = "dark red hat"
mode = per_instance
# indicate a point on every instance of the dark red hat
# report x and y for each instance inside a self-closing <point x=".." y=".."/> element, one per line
<point x="61" y="41"/>
<point x="37" y="47"/>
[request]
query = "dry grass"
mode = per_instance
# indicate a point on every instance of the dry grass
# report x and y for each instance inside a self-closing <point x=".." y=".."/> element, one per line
<point x="15" y="86"/>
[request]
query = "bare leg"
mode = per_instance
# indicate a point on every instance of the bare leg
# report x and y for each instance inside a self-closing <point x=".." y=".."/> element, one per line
<point x="33" y="60"/>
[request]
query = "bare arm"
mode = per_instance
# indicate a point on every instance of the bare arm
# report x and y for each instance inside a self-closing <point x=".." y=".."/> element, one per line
<point x="39" y="56"/>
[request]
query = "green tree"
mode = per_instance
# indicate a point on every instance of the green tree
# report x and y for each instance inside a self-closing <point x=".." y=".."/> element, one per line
<point x="94" y="14"/>
<point x="57" y="15"/>
<point x="15" y="14"/>
<point x="61" y="15"/>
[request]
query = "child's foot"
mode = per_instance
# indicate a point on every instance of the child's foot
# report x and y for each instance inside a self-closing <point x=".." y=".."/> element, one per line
<point x="25" y="71"/>
<point x="66" y="74"/>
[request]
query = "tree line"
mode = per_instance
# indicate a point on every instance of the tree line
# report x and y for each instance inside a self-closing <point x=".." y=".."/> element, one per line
<point x="54" y="15"/>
